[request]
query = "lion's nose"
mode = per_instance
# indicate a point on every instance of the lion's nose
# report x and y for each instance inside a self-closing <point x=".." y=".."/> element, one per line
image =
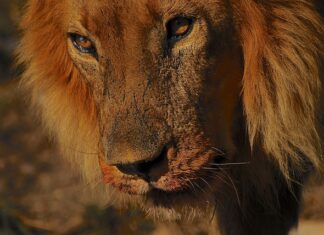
<point x="150" y="170"/>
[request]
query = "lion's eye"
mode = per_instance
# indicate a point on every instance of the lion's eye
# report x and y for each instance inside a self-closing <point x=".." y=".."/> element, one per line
<point x="179" y="27"/>
<point x="82" y="43"/>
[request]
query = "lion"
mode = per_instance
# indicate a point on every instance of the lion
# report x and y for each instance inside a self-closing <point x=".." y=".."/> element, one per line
<point x="187" y="108"/>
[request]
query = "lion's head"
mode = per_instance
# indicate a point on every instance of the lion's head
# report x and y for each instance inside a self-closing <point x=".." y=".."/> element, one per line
<point x="164" y="100"/>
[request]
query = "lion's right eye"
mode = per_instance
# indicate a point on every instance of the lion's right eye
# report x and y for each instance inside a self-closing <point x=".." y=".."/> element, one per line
<point x="83" y="44"/>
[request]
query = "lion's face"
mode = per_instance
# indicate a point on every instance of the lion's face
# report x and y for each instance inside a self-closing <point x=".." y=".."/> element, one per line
<point x="165" y="77"/>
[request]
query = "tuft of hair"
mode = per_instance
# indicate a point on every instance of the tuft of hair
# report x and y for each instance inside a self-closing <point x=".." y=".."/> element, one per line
<point x="61" y="97"/>
<point x="283" y="47"/>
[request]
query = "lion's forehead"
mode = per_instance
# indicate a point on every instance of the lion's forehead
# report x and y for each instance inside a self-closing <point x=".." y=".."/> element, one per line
<point x="111" y="17"/>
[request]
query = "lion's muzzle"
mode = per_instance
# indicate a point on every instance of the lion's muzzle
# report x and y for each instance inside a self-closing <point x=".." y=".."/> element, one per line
<point x="174" y="169"/>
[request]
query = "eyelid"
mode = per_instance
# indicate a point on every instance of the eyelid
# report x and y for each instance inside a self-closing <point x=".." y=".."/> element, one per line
<point x="92" y="50"/>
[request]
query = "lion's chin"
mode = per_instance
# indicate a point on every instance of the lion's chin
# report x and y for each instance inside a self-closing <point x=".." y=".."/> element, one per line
<point x="168" y="198"/>
<point x="184" y="205"/>
<point x="159" y="196"/>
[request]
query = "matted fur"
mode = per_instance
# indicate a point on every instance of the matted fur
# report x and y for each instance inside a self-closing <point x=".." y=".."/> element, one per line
<point x="282" y="46"/>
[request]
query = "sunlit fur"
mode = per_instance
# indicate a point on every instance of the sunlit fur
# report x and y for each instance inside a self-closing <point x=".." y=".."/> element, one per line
<point x="56" y="86"/>
<point x="281" y="84"/>
<point x="282" y="46"/>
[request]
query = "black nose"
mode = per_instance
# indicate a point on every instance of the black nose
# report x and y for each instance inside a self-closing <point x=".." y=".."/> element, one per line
<point x="148" y="170"/>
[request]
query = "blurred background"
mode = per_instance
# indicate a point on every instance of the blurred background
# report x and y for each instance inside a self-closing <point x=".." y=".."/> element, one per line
<point x="40" y="195"/>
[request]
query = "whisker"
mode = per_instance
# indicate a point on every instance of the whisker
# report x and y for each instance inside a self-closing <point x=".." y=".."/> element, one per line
<point x="197" y="185"/>
<point x="230" y="164"/>
<point x="191" y="186"/>
<point x="202" y="179"/>
<point x="234" y="187"/>
<point x="220" y="152"/>
<point x="218" y="177"/>
<point x="211" y="168"/>
<point x="195" y="193"/>
<point x="231" y="184"/>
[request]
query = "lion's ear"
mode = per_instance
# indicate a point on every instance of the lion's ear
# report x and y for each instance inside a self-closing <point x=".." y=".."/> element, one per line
<point x="282" y="43"/>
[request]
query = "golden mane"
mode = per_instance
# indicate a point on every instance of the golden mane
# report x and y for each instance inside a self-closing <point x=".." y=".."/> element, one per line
<point x="281" y="84"/>
<point x="58" y="93"/>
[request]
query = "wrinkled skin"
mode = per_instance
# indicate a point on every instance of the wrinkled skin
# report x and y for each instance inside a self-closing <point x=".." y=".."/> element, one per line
<point x="169" y="93"/>
<point x="173" y="120"/>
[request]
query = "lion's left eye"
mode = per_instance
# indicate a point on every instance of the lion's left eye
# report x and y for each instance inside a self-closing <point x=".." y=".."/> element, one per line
<point x="179" y="27"/>
<point x="82" y="43"/>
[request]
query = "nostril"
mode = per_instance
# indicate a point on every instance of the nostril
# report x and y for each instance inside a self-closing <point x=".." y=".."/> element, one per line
<point x="132" y="169"/>
<point x="147" y="170"/>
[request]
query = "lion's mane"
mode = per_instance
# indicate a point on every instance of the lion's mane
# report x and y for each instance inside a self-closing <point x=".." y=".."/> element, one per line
<point x="58" y="93"/>
<point x="283" y="48"/>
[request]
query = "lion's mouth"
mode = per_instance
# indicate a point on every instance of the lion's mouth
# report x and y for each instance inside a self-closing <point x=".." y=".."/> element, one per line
<point x="172" y="171"/>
